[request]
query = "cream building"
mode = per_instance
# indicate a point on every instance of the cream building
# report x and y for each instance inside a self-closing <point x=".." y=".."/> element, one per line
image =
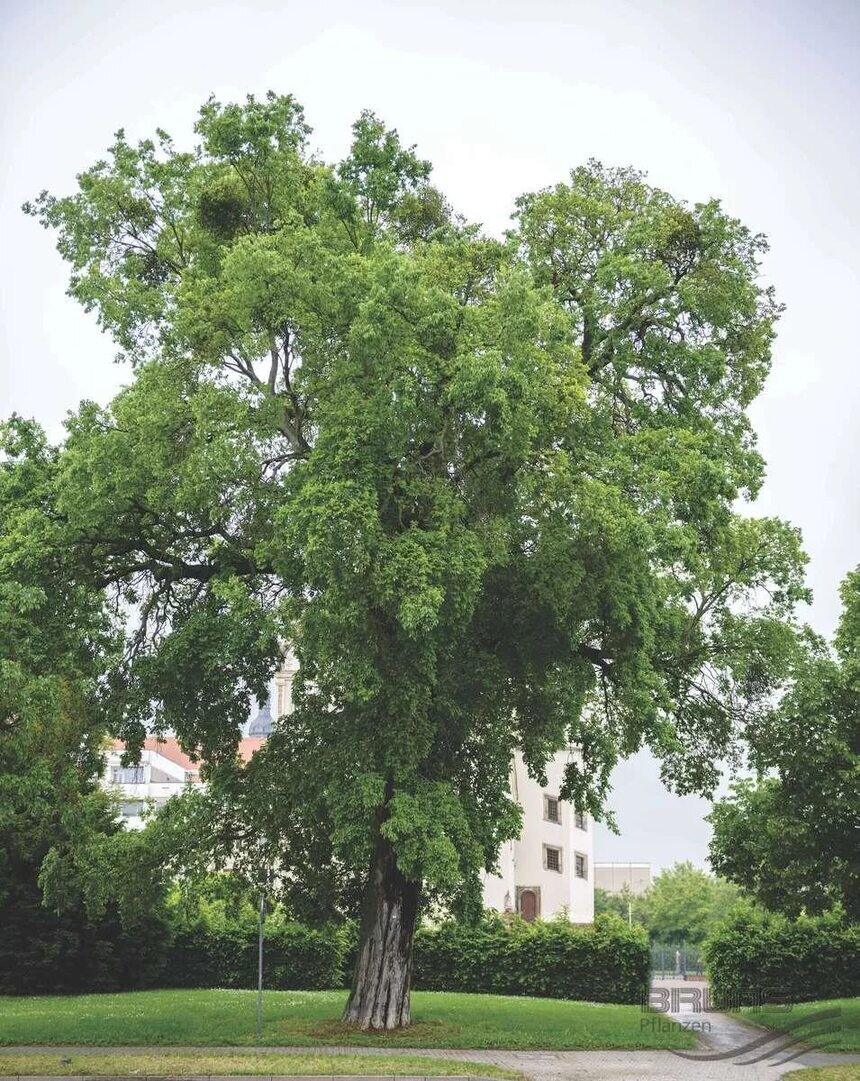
<point x="546" y="872"/>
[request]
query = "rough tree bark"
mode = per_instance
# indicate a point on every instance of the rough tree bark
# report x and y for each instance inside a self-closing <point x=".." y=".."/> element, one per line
<point x="383" y="971"/>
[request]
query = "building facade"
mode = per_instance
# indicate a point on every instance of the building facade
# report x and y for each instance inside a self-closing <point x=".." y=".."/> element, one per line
<point x="548" y="870"/>
<point x="164" y="771"/>
<point x="620" y="877"/>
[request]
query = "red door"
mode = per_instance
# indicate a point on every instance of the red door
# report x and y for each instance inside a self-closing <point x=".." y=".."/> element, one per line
<point x="528" y="905"/>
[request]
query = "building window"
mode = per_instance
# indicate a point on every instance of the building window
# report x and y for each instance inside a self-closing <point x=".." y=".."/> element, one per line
<point x="580" y="865"/>
<point x="127" y="775"/>
<point x="579" y="820"/>
<point x="552" y="858"/>
<point x="551" y="808"/>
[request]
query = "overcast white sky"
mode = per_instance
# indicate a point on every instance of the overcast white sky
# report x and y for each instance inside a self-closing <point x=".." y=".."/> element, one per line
<point x="755" y="102"/>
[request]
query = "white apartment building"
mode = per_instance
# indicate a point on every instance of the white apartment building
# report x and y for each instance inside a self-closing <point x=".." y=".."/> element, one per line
<point x="548" y="871"/>
<point x="164" y="770"/>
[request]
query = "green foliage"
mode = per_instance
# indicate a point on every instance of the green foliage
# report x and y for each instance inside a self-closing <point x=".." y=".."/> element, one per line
<point x="294" y="957"/>
<point x="72" y="918"/>
<point x="759" y="956"/>
<point x="790" y="838"/>
<point x="215" y="929"/>
<point x="684" y="904"/>
<point x="606" y="962"/>
<point x="43" y="951"/>
<point x="618" y="904"/>
<point x="486" y="489"/>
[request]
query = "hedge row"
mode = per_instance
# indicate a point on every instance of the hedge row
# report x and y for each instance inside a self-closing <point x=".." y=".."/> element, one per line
<point x="760" y="957"/>
<point x="602" y="962"/>
<point x="295" y="957"/>
<point x="607" y="962"/>
<point x="43" y="953"/>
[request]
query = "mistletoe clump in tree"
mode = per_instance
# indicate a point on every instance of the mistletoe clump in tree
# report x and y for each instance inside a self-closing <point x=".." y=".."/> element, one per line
<point x="485" y="488"/>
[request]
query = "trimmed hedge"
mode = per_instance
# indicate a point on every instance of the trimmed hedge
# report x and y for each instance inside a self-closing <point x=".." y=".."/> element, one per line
<point x="43" y="953"/>
<point x="762" y="957"/>
<point x="295" y="957"/>
<point x="604" y="962"/>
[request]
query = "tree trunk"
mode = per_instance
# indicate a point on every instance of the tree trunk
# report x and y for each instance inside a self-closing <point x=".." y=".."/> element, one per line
<point x="383" y="971"/>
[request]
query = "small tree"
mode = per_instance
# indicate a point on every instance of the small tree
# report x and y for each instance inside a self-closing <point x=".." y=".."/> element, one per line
<point x="484" y="488"/>
<point x="791" y="837"/>
<point x="684" y="903"/>
<point x="625" y="903"/>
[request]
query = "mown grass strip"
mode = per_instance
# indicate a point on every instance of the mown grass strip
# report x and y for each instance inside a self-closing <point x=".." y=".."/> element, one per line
<point x="311" y="1018"/>
<point x="223" y="1065"/>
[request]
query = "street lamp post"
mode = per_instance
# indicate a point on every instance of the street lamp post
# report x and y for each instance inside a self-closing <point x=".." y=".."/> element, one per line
<point x="262" y="918"/>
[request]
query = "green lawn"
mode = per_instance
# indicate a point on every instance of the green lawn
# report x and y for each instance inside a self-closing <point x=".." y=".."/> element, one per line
<point x="311" y="1018"/>
<point x="849" y="1072"/>
<point x="835" y="1034"/>
<point x="218" y="1064"/>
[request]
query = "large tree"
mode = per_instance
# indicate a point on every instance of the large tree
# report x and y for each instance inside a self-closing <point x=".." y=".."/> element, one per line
<point x="485" y="488"/>
<point x="790" y="836"/>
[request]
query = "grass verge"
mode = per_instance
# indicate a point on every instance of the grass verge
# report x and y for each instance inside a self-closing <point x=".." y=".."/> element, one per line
<point x="297" y="1063"/>
<point x="832" y="1033"/>
<point x="848" y="1072"/>
<point x="310" y="1018"/>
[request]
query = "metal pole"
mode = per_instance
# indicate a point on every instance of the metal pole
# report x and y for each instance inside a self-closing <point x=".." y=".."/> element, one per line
<point x="260" y="968"/>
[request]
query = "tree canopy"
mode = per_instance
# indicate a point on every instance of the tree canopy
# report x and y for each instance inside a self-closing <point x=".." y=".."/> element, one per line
<point x="60" y="918"/>
<point x="685" y="903"/>
<point x="485" y="488"/>
<point x="682" y="904"/>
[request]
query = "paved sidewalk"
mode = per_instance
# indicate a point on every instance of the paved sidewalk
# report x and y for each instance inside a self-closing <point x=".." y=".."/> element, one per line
<point x="539" y="1065"/>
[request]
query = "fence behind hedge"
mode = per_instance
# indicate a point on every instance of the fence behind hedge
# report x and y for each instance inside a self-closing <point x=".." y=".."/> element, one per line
<point x="756" y="957"/>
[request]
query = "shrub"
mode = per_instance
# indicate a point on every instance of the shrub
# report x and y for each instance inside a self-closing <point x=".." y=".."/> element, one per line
<point x="604" y="962"/>
<point x="214" y="946"/>
<point x="758" y="956"/>
<point x="45" y="953"/>
<point x="295" y="958"/>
